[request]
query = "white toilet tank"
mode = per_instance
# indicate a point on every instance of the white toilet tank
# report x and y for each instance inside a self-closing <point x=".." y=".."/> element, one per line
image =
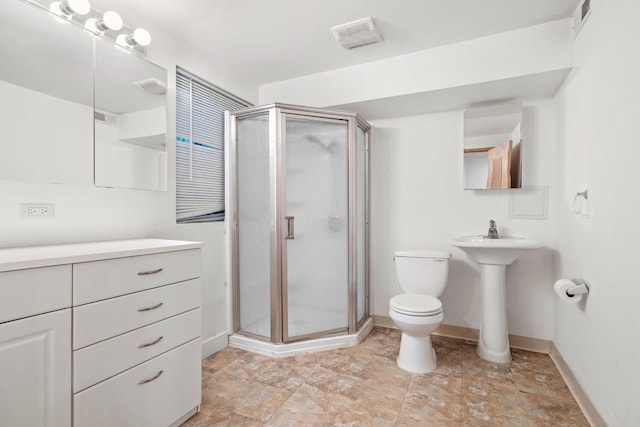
<point x="422" y="272"/>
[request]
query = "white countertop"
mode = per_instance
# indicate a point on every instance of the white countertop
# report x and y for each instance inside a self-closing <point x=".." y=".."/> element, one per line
<point x="43" y="256"/>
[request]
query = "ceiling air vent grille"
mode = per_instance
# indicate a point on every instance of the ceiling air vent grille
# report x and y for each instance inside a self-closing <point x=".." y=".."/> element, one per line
<point x="357" y="33"/>
<point x="106" y="118"/>
<point x="153" y="86"/>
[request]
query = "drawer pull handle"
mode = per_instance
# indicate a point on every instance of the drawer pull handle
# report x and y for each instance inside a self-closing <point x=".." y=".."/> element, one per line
<point x="153" y="307"/>
<point x="146" y="273"/>
<point x="149" y="344"/>
<point x="153" y="378"/>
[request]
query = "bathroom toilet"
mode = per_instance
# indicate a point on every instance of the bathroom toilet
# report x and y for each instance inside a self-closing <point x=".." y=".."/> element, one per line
<point x="418" y="312"/>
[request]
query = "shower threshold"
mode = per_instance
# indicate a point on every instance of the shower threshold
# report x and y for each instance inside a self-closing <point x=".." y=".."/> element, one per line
<point x="299" y="347"/>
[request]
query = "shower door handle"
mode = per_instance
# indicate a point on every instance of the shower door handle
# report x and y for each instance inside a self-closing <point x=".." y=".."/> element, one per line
<point x="291" y="231"/>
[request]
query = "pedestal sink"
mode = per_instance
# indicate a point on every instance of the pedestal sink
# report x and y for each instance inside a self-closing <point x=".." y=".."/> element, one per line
<point x="494" y="255"/>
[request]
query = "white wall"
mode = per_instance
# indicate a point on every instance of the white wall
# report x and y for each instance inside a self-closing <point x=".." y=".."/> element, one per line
<point x="527" y="51"/>
<point x="417" y="201"/>
<point x="416" y="167"/>
<point x="84" y="213"/>
<point x="597" y="112"/>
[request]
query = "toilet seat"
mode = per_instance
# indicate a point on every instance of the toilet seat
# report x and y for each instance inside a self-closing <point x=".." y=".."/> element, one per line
<point x="416" y="305"/>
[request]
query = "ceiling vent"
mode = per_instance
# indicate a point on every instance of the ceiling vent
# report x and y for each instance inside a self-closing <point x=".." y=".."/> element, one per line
<point x="106" y="118"/>
<point x="153" y="86"/>
<point x="357" y="33"/>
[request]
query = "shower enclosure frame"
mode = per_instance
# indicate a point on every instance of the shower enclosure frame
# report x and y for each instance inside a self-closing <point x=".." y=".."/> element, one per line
<point x="278" y="114"/>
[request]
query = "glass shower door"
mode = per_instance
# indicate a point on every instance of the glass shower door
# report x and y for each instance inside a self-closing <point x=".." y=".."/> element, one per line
<point x="316" y="228"/>
<point x="254" y="220"/>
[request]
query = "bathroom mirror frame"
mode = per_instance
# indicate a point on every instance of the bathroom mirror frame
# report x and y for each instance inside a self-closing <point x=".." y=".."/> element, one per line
<point x="492" y="147"/>
<point x="47" y="80"/>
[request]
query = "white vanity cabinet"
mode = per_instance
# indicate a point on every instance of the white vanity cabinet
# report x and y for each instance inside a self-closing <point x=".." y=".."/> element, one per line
<point x="35" y="348"/>
<point x="136" y="330"/>
<point x="100" y="334"/>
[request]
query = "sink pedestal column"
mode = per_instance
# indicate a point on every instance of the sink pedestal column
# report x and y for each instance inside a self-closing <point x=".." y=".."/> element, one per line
<point x="493" y="344"/>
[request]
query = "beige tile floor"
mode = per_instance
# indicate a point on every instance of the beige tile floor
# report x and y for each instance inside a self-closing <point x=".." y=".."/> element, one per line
<point x="362" y="386"/>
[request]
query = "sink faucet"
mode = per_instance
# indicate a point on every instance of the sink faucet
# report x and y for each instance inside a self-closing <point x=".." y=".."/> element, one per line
<point x="493" y="231"/>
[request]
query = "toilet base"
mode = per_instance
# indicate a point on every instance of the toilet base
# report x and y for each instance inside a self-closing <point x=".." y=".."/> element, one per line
<point x="416" y="354"/>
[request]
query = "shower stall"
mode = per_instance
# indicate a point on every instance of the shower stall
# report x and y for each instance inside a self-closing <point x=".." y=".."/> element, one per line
<point x="298" y="215"/>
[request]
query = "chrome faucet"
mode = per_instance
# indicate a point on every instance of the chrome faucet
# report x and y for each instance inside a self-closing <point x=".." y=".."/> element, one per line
<point x="493" y="231"/>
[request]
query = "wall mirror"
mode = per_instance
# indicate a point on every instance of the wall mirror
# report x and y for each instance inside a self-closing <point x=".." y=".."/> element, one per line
<point x="46" y="97"/>
<point x="130" y="120"/>
<point x="47" y="106"/>
<point x="493" y="147"/>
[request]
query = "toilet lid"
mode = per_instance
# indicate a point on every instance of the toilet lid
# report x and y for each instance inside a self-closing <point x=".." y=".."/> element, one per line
<point x="416" y="305"/>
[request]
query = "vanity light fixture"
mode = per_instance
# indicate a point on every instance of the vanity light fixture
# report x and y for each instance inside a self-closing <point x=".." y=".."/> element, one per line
<point x="110" y="21"/>
<point x="66" y="8"/>
<point x="140" y="37"/>
<point x="108" y="25"/>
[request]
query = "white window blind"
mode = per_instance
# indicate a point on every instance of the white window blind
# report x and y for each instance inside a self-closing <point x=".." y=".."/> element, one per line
<point x="200" y="109"/>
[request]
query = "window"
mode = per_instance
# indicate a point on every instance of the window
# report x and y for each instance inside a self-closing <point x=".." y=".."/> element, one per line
<point x="200" y="108"/>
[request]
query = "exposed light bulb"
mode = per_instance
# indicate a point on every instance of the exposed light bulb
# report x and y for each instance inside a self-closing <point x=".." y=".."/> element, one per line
<point x="92" y="25"/>
<point x="142" y="37"/>
<point x="81" y="7"/>
<point x="56" y="9"/>
<point x="139" y="37"/>
<point x="66" y="8"/>
<point x="122" y="41"/>
<point x="110" y="21"/>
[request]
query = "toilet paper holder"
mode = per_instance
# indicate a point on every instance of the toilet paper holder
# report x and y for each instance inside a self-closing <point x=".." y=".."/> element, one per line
<point x="580" y="288"/>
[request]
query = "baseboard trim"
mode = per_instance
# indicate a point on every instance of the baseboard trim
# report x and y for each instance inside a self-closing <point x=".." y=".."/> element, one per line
<point x="516" y="341"/>
<point x="588" y="409"/>
<point x="525" y="343"/>
<point x="459" y="332"/>
<point x="214" y="344"/>
<point x="384" y="321"/>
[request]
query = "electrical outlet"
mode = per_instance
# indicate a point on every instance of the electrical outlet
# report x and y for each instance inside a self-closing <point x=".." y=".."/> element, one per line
<point x="37" y="210"/>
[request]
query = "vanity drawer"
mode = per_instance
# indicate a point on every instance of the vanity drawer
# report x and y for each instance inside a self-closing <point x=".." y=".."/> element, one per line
<point x="127" y="401"/>
<point x="98" y="280"/>
<point x="105" y="319"/>
<point x="25" y="293"/>
<point x="105" y="359"/>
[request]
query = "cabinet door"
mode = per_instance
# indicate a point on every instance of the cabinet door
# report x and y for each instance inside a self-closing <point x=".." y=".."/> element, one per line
<point x="35" y="371"/>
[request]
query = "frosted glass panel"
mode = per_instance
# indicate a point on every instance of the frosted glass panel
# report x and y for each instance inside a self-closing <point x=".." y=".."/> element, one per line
<point x="316" y="195"/>
<point x="254" y="224"/>
<point x="361" y="200"/>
